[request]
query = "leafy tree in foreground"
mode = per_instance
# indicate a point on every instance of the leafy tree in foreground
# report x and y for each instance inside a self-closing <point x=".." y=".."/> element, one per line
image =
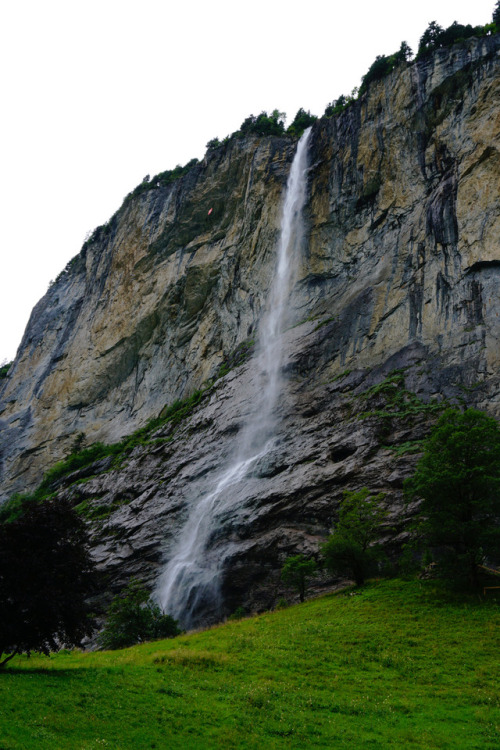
<point x="352" y="548"/>
<point x="133" y="617"/>
<point x="458" y="480"/>
<point x="296" y="571"/>
<point x="496" y="14"/>
<point x="46" y="575"/>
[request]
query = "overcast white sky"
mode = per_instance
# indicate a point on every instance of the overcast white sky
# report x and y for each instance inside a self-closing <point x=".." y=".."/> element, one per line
<point x="96" y="95"/>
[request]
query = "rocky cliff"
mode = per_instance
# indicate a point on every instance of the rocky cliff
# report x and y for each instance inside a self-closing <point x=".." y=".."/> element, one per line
<point x="393" y="315"/>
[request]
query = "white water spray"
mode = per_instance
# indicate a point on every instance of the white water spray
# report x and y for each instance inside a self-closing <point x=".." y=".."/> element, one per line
<point x="190" y="582"/>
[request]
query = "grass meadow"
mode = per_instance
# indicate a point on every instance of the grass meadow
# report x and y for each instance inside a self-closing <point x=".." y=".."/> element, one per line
<point x="396" y="664"/>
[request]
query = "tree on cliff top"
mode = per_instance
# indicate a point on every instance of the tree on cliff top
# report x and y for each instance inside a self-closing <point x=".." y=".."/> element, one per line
<point x="264" y="124"/>
<point x="458" y="481"/>
<point x="496" y="14"/>
<point x="46" y="575"/>
<point x="301" y="121"/>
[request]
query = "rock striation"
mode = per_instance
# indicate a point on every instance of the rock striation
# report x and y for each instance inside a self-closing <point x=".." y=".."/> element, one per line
<point x="394" y="314"/>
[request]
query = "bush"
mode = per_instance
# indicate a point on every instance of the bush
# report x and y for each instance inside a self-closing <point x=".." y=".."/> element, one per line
<point x="4" y="369"/>
<point x="133" y="617"/>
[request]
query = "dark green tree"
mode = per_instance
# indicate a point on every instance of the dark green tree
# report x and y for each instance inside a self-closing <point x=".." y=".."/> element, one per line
<point x="496" y="14"/>
<point x="296" y="571"/>
<point x="46" y="577"/>
<point x="404" y="54"/>
<point x="133" y="617"/>
<point x="352" y="548"/>
<point x="430" y="38"/>
<point x="458" y="481"/>
<point x="302" y="120"/>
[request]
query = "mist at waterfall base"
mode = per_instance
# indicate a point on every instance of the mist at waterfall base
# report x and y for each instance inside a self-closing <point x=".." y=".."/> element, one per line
<point x="189" y="588"/>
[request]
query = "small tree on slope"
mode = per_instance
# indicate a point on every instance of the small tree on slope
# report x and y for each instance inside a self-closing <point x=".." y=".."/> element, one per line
<point x="352" y="548"/>
<point x="296" y="571"/>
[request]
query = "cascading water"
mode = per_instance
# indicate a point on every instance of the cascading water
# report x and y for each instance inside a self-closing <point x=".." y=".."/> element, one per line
<point x="190" y="583"/>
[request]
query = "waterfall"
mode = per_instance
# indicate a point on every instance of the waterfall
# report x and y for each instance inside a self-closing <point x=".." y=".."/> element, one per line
<point x="190" y="583"/>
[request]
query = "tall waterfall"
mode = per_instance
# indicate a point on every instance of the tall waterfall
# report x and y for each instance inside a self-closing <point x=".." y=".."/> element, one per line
<point x="190" y="583"/>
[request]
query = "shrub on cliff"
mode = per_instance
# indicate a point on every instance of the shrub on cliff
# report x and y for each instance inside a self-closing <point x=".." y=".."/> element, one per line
<point x="4" y="369"/>
<point x="133" y="617"/>
<point x="339" y="105"/>
<point x="46" y="576"/>
<point x="458" y="482"/>
<point x="352" y="549"/>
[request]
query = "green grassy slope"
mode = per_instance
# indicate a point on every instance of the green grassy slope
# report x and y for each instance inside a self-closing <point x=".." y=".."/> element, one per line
<point x="395" y="665"/>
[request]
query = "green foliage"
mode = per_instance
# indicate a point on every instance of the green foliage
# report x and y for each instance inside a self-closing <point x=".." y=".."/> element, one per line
<point x="342" y="103"/>
<point x="179" y="410"/>
<point x="348" y="670"/>
<point x="410" y="446"/>
<point x="352" y="548"/>
<point x="4" y="369"/>
<point x="78" y="444"/>
<point x="239" y="356"/>
<point x="73" y="463"/>
<point x="390" y="399"/>
<point x="435" y="37"/>
<point x="383" y="65"/>
<point x="295" y="572"/>
<point x="46" y="576"/>
<point x="302" y="120"/>
<point x="212" y="144"/>
<point x="60" y="474"/>
<point x="458" y="480"/>
<point x="238" y="614"/>
<point x="133" y="617"/>
<point x="264" y="124"/>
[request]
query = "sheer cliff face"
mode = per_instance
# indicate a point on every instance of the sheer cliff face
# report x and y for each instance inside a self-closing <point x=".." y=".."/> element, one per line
<point x="399" y="270"/>
<point x="149" y="309"/>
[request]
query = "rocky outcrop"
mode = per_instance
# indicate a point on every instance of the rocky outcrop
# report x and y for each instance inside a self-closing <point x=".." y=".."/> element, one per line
<point x="399" y="274"/>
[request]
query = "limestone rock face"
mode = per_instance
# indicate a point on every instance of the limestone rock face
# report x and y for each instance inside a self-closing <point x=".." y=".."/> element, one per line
<point x="399" y="272"/>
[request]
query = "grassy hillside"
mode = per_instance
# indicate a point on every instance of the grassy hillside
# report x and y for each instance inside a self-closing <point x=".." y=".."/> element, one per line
<point x="394" y="665"/>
